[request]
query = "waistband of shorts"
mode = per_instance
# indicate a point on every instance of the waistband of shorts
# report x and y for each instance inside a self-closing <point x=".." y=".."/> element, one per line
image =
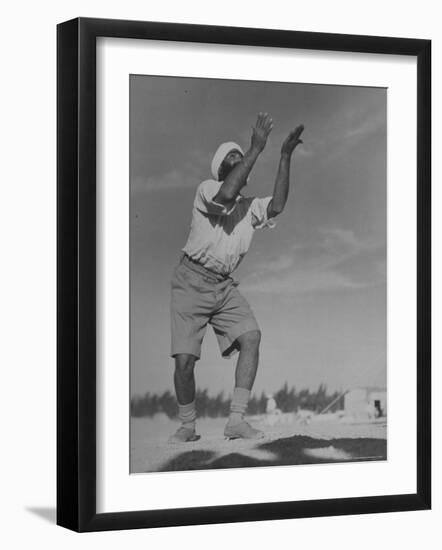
<point x="195" y="266"/>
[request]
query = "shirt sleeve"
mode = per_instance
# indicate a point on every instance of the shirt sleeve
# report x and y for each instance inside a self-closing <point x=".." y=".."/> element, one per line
<point x="259" y="213"/>
<point x="204" y="199"/>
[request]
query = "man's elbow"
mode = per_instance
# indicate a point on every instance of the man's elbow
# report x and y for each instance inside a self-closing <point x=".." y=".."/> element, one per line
<point x="275" y="210"/>
<point x="224" y="197"/>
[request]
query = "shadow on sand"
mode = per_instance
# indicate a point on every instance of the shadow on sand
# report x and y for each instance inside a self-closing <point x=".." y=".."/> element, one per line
<point x="293" y="450"/>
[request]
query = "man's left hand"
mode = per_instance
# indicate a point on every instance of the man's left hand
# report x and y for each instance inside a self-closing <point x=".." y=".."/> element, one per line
<point x="292" y="140"/>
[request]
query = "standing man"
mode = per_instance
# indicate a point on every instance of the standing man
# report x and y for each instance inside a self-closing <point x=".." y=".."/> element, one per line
<point x="203" y="291"/>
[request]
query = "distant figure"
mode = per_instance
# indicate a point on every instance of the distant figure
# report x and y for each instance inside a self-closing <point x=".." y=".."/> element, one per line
<point x="271" y="404"/>
<point x="379" y="411"/>
<point x="203" y="291"/>
<point x="273" y="414"/>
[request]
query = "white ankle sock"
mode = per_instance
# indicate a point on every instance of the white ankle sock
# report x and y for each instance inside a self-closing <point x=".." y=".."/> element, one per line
<point x="187" y="415"/>
<point x="238" y="405"/>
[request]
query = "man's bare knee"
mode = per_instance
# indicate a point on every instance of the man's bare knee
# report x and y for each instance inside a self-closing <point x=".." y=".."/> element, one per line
<point x="185" y="364"/>
<point x="250" y="340"/>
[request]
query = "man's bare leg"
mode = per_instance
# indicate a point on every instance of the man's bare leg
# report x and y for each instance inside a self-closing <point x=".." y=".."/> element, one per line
<point x="184" y="380"/>
<point x="245" y="375"/>
<point x="247" y="364"/>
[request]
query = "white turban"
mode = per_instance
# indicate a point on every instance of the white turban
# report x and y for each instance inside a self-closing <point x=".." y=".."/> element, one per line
<point x="221" y="153"/>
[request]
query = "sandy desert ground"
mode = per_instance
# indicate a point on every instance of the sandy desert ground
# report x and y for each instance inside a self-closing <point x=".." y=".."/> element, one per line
<point x="288" y="441"/>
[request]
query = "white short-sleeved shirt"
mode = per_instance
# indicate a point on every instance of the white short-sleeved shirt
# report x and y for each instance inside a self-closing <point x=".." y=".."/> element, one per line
<point x="219" y="238"/>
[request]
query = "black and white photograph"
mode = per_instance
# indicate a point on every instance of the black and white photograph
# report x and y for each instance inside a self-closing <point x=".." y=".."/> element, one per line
<point x="220" y="291"/>
<point x="258" y="301"/>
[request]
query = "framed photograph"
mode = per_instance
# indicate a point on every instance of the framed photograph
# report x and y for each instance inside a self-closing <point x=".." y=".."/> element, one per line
<point x="243" y="274"/>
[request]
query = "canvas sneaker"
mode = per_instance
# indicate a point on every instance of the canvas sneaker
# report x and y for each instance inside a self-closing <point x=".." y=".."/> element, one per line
<point x="184" y="435"/>
<point x="242" y="430"/>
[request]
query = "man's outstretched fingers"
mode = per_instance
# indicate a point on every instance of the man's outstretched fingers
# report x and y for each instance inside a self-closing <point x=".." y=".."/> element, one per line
<point x="268" y="123"/>
<point x="298" y="131"/>
<point x="263" y="120"/>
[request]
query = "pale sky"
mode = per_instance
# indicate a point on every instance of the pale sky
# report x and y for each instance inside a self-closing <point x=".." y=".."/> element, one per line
<point x="317" y="282"/>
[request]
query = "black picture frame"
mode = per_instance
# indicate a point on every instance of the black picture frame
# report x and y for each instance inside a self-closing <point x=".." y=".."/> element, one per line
<point x="76" y="273"/>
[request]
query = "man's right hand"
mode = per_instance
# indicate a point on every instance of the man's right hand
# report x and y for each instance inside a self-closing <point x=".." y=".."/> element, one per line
<point x="261" y="131"/>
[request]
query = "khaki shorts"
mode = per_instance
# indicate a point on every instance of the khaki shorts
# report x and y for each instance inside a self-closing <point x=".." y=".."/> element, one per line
<point x="200" y="297"/>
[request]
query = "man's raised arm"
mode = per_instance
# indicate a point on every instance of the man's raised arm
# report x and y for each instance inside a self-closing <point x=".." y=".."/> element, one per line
<point x="237" y="177"/>
<point x="282" y="182"/>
